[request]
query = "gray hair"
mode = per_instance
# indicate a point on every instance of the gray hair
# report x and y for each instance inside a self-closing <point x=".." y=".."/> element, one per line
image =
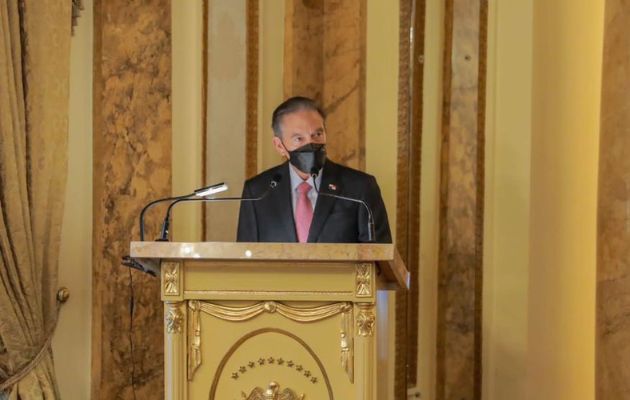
<point x="292" y="105"/>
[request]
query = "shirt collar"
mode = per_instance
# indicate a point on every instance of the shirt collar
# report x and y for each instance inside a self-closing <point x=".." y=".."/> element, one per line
<point x="296" y="180"/>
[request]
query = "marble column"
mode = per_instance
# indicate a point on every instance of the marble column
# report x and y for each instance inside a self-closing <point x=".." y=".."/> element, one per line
<point x="410" y="90"/>
<point x="324" y="58"/>
<point x="132" y="165"/>
<point x="461" y="202"/>
<point x="613" y="241"/>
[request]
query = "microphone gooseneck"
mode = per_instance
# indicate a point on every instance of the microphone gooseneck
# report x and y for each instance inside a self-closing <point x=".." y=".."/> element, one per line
<point x="207" y="189"/>
<point x="371" y="230"/>
<point x="166" y="223"/>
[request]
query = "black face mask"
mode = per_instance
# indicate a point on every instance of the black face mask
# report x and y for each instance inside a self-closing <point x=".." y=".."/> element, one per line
<point x="309" y="158"/>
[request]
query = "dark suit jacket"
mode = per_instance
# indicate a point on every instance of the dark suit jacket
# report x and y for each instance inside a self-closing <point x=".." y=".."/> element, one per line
<point x="334" y="220"/>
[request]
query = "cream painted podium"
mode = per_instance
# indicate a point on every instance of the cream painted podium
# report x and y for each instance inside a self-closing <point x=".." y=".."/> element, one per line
<point x="272" y="321"/>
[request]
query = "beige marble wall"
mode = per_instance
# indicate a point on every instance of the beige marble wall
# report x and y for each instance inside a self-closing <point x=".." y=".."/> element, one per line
<point x="226" y="112"/>
<point x="324" y="58"/>
<point x="71" y="342"/>
<point x="613" y="247"/>
<point x="461" y="203"/>
<point x="132" y="165"/>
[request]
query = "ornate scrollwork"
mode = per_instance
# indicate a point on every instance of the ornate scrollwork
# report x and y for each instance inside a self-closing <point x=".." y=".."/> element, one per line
<point x="170" y="278"/>
<point x="366" y="320"/>
<point x="272" y="393"/>
<point x="174" y="320"/>
<point x="364" y="280"/>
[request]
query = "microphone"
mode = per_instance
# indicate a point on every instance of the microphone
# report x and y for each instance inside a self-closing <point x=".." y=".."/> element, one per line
<point x="371" y="231"/>
<point x="166" y="223"/>
<point x="204" y="191"/>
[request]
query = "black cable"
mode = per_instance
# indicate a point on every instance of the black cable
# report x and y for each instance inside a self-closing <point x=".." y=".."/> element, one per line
<point x="131" y="312"/>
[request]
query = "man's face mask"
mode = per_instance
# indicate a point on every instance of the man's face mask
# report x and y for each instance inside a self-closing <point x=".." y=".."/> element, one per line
<point x="309" y="158"/>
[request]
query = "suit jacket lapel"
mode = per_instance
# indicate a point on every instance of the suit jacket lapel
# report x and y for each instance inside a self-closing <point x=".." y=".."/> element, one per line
<point x="324" y="203"/>
<point x="281" y="198"/>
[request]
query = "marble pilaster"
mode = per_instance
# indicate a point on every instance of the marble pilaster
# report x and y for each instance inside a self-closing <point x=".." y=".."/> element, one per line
<point x="132" y="165"/>
<point x="461" y="203"/>
<point x="325" y="59"/>
<point x="612" y="381"/>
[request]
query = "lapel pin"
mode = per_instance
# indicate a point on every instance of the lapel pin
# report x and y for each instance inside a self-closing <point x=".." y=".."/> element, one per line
<point x="332" y="186"/>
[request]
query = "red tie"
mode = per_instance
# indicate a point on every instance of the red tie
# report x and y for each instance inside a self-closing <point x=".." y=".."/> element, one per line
<point x="303" y="212"/>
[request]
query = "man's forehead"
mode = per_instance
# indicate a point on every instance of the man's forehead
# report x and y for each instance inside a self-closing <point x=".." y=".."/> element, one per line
<point x="303" y="119"/>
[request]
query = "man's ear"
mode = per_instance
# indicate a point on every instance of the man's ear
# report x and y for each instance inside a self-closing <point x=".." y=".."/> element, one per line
<point x="277" y="144"/>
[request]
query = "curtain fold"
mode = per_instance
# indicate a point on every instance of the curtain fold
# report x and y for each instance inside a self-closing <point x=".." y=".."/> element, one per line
<point x="34" y="79"/>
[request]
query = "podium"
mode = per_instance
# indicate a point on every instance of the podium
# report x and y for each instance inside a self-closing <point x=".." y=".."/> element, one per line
<point x="273" y="321"/>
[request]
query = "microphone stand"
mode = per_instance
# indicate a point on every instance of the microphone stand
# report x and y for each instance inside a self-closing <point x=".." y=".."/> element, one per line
<point x="197" y="192"/>
<point x="166" y="223"/>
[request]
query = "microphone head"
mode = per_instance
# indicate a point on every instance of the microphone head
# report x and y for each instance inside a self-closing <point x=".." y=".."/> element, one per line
<point x="274" y="182"/>
<point x="210" y="190"/>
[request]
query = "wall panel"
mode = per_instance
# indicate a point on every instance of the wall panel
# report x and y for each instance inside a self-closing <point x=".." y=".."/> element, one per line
<point x="132" y="165"/>
<point x="613" y="236"/>
<point x="461" y="202"/>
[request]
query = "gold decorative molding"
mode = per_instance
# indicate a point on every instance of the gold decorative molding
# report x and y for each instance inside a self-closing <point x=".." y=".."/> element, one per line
<point x="364" y="280"/>
<point x="272" y="393"/>
<point x="296" y="314"/>
<point x="366" y="320"/>
<point x="194" y="348"/>
<point x="279" y="361"/>
<point x="242" y="340"/>
<point x="174" y="319"/>
<point x="347" y="343"/>
<point x="170" y="278"/>
<point x="228" y="292"/>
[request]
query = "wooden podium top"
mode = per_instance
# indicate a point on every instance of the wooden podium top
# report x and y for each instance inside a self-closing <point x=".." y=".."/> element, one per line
<point x="385" y="254"/>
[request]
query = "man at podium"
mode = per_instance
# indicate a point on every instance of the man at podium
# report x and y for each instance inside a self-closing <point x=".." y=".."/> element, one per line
<point x="309" y="198"/>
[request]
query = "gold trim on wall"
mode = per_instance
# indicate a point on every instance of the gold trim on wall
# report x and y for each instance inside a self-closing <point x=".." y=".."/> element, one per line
<point x="204" y="113"/>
